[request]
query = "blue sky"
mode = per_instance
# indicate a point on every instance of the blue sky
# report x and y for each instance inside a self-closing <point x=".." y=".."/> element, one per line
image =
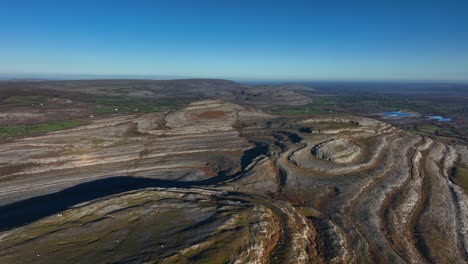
<point x="243" y="40"/>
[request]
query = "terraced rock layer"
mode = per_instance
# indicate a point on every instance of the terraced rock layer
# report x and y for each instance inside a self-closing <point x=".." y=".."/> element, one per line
<point x="220" y="183"/>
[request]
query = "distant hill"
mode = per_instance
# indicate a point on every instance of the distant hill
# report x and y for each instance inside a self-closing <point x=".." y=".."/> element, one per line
<point x="189" y="89"/>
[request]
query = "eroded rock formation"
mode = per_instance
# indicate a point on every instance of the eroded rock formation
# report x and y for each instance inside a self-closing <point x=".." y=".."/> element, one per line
<point x="217" y="182"/>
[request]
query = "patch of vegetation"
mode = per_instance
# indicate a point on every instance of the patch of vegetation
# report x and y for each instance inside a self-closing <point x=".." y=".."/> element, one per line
<point x="299" y="111"/>
<point x="127" y="105"/>
<point x="372" y="103"/>
<point x="16" y="168"/>
<point x="238" y="124"/>
<point x="422" y="129"/>
<point x="443" y="130"/>
<point x="460" y="176"/>
<point x="27" y="130"/>
<point x="308" y="211"/>
<point x="320" y="105"/>
<point x="24" y="100"/>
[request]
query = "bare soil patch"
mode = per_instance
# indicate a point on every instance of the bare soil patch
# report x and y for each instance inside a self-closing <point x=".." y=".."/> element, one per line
<point x="209" y="115"/>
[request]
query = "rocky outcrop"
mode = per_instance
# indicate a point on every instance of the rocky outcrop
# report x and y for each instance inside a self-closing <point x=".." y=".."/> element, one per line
<point x="218" y="182"/>
<point x="337" y="150"/>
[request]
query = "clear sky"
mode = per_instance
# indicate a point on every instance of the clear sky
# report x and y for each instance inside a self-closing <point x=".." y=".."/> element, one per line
<point x="238" y="39"/>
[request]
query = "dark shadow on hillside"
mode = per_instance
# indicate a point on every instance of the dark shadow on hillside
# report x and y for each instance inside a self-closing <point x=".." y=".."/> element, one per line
<point x="26" y="211"/>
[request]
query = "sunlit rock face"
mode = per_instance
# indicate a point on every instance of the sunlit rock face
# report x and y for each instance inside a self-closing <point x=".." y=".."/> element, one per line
<point x="162" y="225"/>
<point x="216" y="182"/>
<point x="337" y="150"/>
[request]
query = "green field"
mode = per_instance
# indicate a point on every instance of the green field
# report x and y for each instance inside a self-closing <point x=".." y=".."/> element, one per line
<point x="27" y="130"/>
<point x="319" y="106"/>
<point x="460" y="177"/>
<point x="371" y="104"/>
<point x="24" y="100"/>
<point x="126" y="105"/>
<point x="443" y="130"/>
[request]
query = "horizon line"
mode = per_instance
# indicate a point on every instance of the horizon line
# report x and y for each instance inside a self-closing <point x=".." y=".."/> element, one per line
<point x="91" y="76"/>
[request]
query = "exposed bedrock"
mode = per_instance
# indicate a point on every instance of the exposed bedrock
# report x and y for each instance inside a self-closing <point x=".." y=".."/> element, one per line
<point x="221" y="183"/>
<point x="336" y="150"/>
<point x="150" y="224"/>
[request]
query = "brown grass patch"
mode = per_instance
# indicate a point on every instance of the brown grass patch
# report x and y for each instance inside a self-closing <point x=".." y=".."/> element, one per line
<point x="459" y="175"/>
<point x="209" y="171"/>
<point x="209" y="115"/>
<point x="4" y="171"/>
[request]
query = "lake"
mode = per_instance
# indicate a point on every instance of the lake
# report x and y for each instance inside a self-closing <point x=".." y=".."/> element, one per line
<point x="398" y="114"/>
<point x="439" y="118"/>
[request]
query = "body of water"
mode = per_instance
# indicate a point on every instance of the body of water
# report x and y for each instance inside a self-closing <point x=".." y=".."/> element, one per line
<point x="398" y="114"/>
<point x="440" y="118"/>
